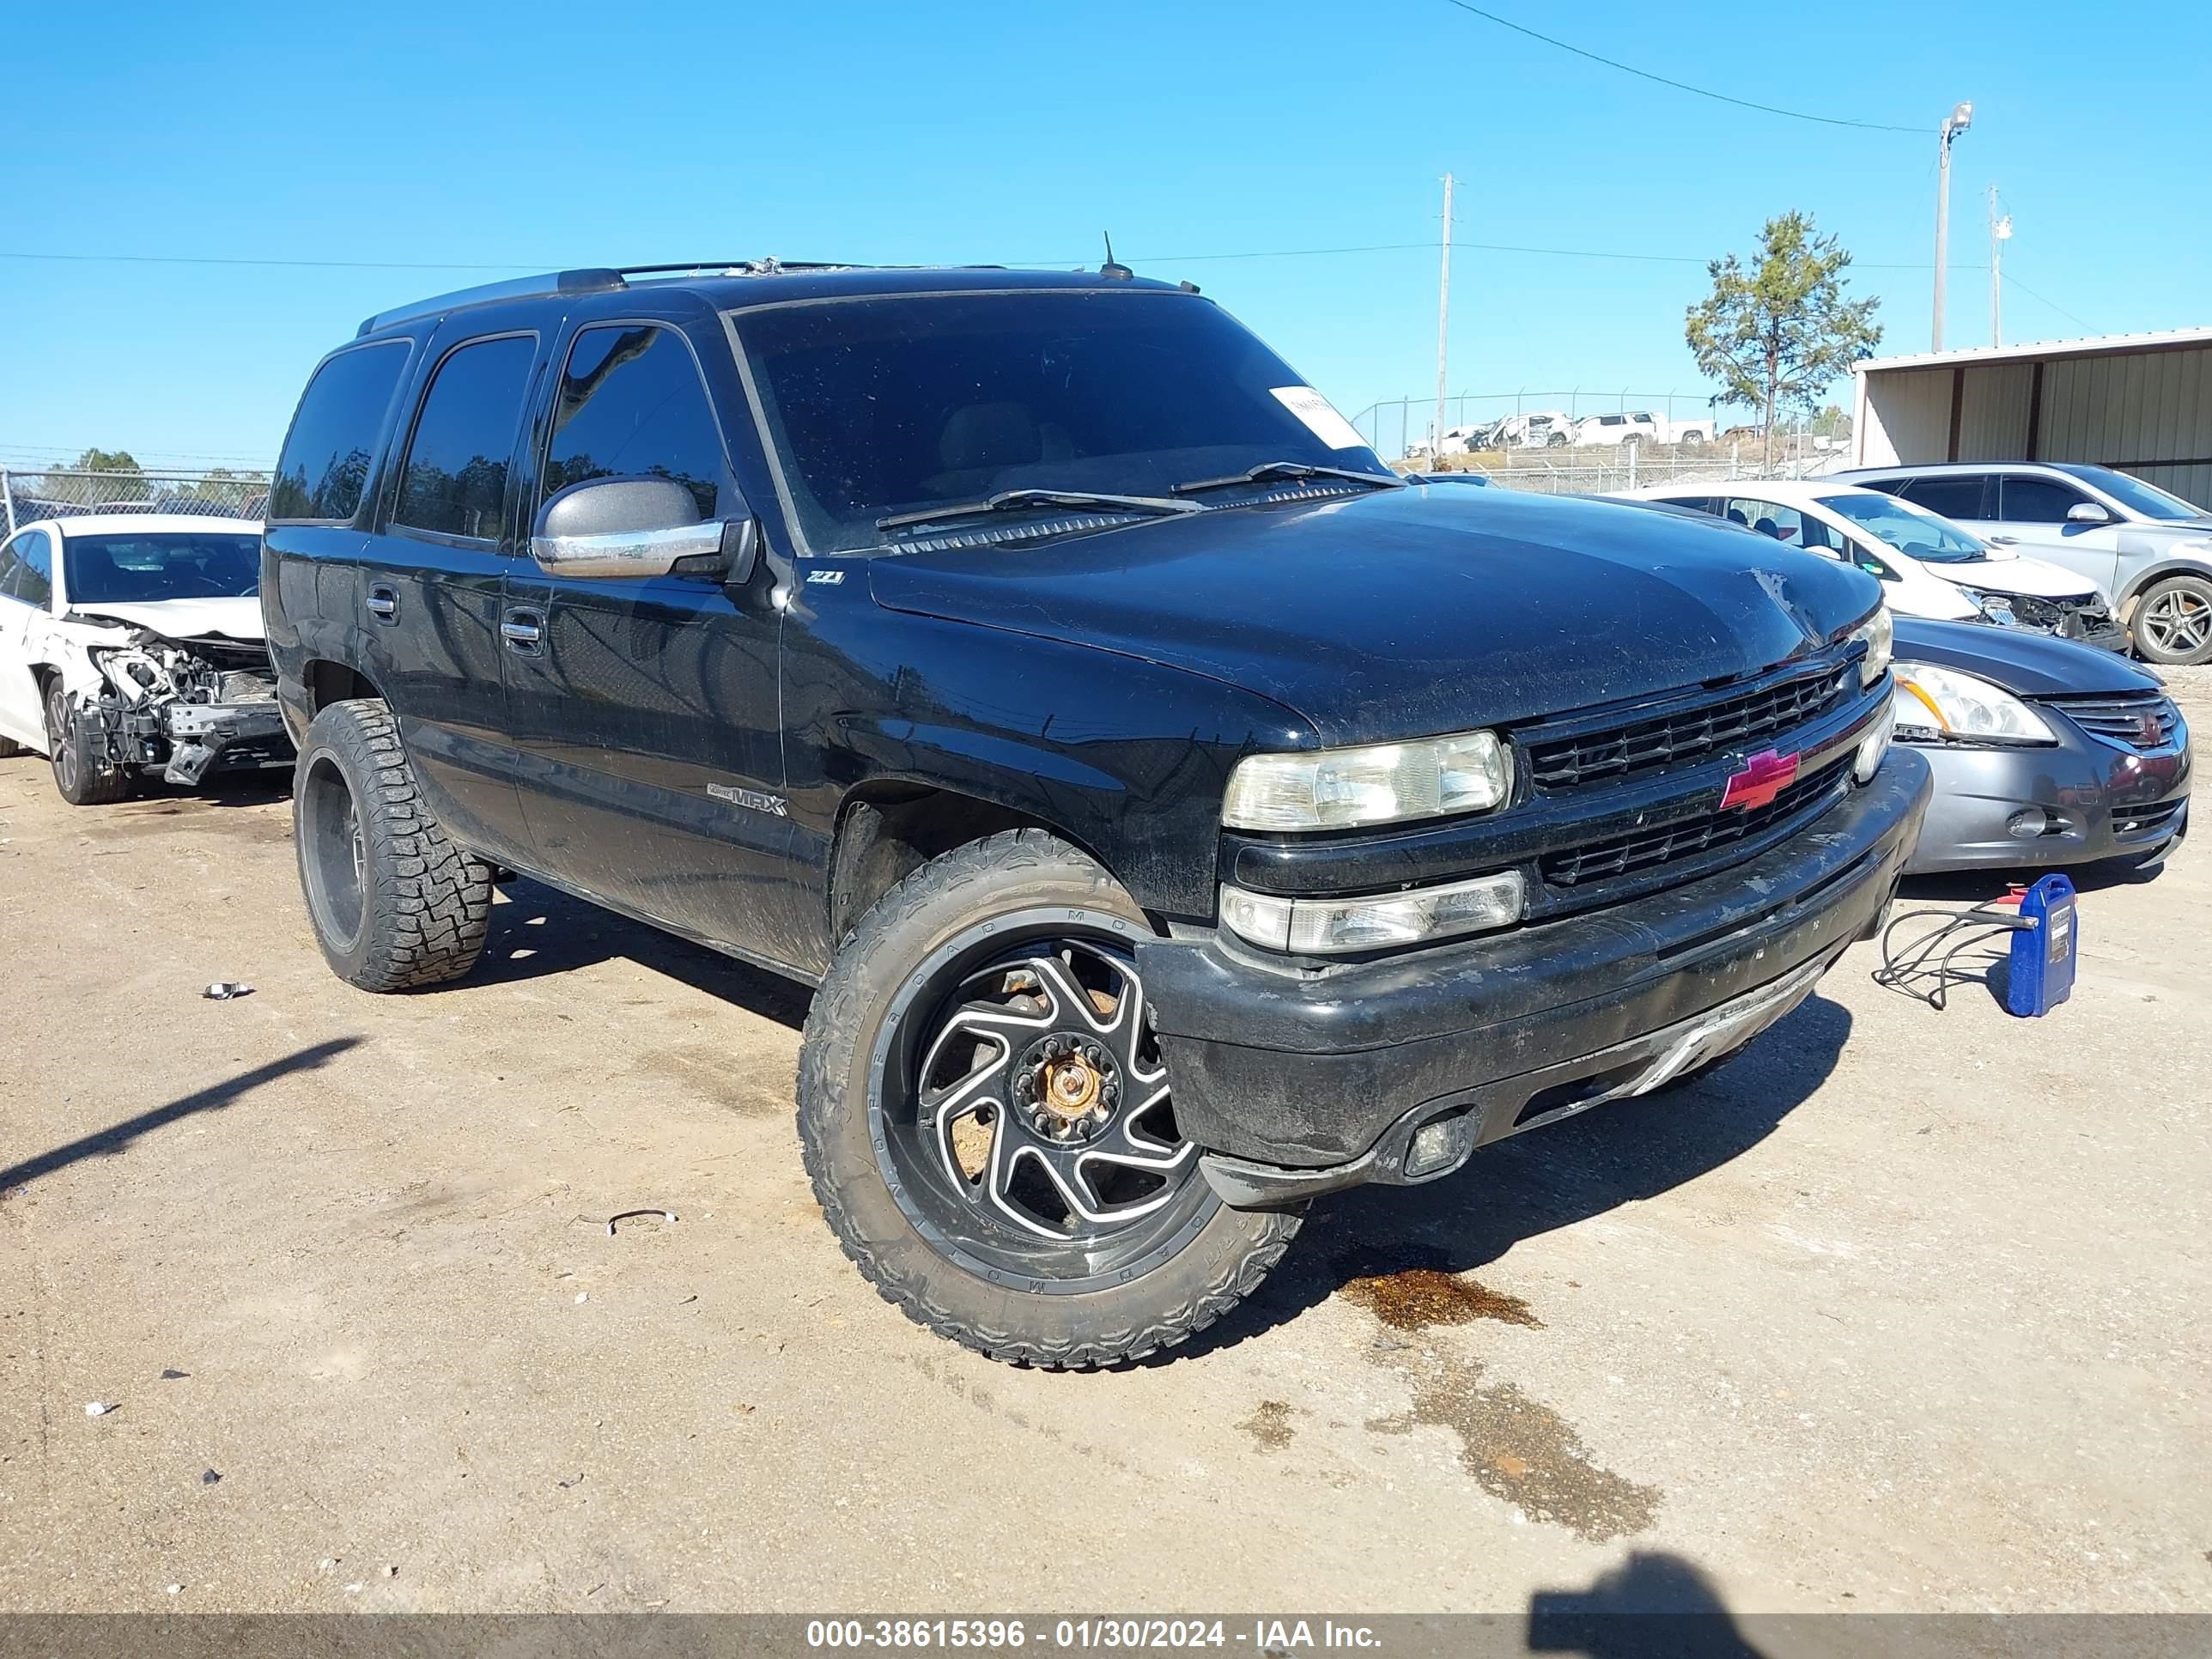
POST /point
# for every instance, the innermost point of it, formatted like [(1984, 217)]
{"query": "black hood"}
[(1410, 611), (2028, 665)]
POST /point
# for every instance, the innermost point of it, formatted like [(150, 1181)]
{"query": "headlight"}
[(1337, 927), (1943, 702), (1877, 631), (1381, 783), (1995, 607)]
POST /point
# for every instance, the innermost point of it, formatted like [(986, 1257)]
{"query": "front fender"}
[(1127, 758), (2158, 571)]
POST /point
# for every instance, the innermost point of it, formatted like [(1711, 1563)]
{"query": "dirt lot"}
[(1900, 1310)]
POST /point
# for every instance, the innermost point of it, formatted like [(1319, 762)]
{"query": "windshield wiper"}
[(1268, 470), (1009, 501)]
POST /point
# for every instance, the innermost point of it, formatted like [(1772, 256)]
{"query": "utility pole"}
[(2000, 234), (1954, 123), (1443, 325)]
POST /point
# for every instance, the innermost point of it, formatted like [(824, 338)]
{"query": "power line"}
[(289, 264), (1430, 246), (2077, 321), (1681, 86)]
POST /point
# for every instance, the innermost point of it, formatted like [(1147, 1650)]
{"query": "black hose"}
[(1904, 971)]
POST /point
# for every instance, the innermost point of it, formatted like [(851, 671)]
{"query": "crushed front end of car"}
[(180, 709)]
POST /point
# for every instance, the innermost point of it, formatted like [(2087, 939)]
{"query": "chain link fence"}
[(30, 493), (1528, 440), (1725, 463)]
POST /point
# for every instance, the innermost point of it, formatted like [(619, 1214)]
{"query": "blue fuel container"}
[(2042, 967)]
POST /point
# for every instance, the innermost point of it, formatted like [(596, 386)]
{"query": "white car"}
[(1616, 429), (132, 644), (1927, 565), (1542, 429)]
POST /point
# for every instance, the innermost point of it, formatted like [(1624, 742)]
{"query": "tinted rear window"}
[(333, 438)]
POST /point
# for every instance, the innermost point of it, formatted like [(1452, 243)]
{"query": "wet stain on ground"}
[(1269, 1425), (709, 1073), (1415, 1298), (1525, 1453)]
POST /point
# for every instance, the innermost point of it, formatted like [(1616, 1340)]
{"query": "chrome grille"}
[(2140, 719)]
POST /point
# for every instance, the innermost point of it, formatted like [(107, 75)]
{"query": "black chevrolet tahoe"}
[(1179, 814)]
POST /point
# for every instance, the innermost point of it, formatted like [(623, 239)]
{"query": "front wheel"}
[(78, 777), (2173, 623), (989, 1125)]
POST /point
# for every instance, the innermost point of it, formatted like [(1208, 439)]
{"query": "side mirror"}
[(2087, 512), (638, 527)]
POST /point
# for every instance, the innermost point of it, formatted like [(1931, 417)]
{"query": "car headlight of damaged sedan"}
[(1879, 632), (1934, 703), (1376, 783)]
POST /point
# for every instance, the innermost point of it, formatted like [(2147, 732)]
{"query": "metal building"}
[(2142, 403)]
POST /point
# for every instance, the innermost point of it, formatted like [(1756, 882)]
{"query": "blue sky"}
[(527, 137)]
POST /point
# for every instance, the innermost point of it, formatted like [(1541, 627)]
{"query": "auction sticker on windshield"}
[(1321, 417)]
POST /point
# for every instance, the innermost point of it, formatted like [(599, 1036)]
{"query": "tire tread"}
[(430, 909)]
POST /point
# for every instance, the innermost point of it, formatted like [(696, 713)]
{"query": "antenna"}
[(1112, 270)]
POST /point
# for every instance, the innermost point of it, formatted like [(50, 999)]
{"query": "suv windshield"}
[(1916, 533), (144, 569), (881, 408), (2135, 495)]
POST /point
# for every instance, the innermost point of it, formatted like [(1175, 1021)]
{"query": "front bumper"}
[(183, 742), (2099, 800), (1298, 1080)]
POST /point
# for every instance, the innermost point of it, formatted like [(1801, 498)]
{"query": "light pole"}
[(1955, 124), (2000, 234), (1444, 325)]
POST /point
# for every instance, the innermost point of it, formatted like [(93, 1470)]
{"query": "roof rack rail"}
[(596, 280), (763, 267), (591, 280)]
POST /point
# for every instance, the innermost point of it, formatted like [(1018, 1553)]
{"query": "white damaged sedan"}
[(132, 644)]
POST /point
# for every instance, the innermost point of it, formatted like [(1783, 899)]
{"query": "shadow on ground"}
[(537, 931), (1653, 1606), (118, 1136), (1548, 1178)]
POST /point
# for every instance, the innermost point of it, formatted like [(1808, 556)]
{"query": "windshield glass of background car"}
[(155, 565), (1916, 534), (877, 407), (2137, 496)]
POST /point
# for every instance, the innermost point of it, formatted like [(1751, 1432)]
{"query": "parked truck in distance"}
[(1179, 815)]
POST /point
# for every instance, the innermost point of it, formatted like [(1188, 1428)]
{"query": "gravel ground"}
[(1901, 1310)]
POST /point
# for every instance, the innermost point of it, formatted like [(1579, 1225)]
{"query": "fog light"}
[(2027, 823), (1441, 1143)]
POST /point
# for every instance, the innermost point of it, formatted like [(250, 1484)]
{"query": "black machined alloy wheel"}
[(990, 1126), (1021, 1113)]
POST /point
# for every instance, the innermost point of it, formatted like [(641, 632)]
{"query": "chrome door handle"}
[(522, 629), (383, 601), (2002, 541)]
